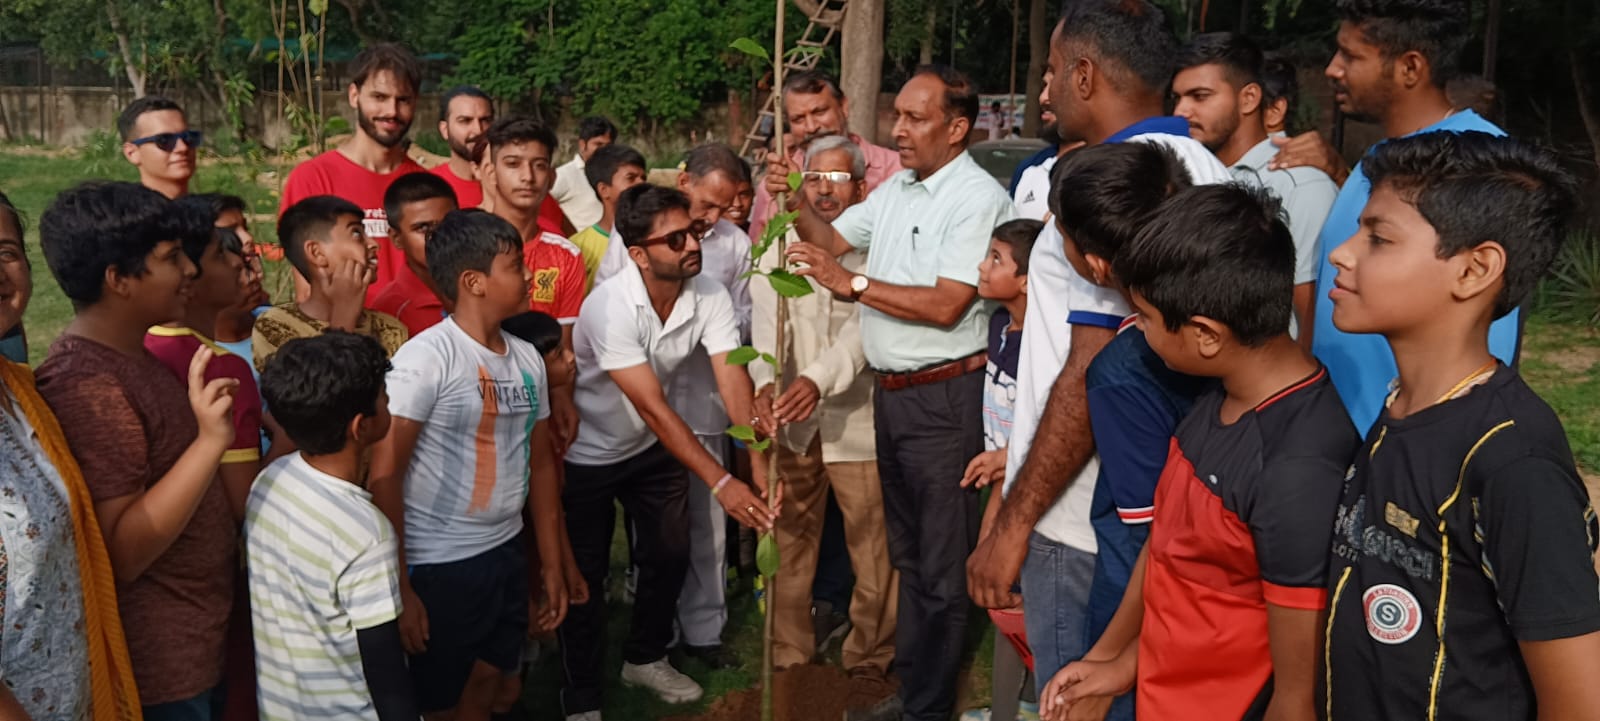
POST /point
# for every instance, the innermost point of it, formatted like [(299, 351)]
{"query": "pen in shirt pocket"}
[(914, 231)]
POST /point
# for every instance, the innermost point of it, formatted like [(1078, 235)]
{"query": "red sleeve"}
[(569, 288), (246, 447)]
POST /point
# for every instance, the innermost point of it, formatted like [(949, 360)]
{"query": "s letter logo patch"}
[(1393, 615)]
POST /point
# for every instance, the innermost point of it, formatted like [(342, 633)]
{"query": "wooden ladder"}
[(821, 28)]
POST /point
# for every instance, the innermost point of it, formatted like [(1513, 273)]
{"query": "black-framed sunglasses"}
[(168, 141), (679, 238)]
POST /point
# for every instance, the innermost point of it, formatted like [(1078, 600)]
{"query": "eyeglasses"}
[(833, 176), (679, 238), (168, 141)]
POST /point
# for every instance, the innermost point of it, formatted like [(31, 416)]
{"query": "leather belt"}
[(932, 374)]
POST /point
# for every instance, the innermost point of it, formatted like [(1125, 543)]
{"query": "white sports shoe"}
[(661, 678), (585, 716)]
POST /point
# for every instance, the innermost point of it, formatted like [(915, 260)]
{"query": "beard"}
[(369, 126), (687, 267), (1367, 107), (465, 148)]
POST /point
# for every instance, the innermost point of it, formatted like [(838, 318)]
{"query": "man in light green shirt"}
[(925, 230)]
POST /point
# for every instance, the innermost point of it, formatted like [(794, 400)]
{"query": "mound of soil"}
[(801, 693)]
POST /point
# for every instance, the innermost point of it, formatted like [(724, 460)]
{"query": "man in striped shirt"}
[(324, 579)]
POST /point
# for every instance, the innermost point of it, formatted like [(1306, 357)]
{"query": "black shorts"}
[(477, 611)]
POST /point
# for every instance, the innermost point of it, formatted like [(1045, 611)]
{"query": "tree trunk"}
[(1038, 52), (131, 65), (930, 24), (861, 55), (1585, 98)]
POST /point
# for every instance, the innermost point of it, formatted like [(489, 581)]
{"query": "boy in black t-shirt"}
[(1227, 597), (1462, 577)]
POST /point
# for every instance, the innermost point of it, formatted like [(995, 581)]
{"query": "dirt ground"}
[(802, 693)]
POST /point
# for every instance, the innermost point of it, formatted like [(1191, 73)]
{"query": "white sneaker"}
[(585, 716), (976, 714), (664, 680)]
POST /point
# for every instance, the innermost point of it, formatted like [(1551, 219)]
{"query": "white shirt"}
[(322, 566), (619, 329), (574, 194), (724, 258), (1059, 298), (1033, 191), (465, 488), (915, 232)]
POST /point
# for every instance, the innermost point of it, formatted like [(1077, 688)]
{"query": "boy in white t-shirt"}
[(468, 451), (324, 585)]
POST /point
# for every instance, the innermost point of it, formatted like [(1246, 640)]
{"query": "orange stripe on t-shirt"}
[(484, 470)]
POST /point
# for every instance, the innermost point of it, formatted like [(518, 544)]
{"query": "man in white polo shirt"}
[(633, 336), (924, 332)]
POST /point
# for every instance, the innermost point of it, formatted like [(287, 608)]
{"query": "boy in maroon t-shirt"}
[(148, 446)]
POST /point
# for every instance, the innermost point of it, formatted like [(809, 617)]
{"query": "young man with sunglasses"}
[(157, 140), (635, 334), (710, 180)]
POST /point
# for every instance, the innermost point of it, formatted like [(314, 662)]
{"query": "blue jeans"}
[(1055, 605), (205, 707)]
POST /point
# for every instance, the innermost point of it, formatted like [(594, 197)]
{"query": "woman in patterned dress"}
[(62, 654)]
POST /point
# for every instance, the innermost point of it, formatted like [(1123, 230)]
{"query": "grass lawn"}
[(1561, 361)]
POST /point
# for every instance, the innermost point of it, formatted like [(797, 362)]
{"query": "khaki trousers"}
[(799, 531)]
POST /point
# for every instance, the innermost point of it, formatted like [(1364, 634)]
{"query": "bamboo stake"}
[(774, 482)]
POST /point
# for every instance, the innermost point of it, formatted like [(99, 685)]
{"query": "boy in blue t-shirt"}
[(1103, 196), (1003, 278)]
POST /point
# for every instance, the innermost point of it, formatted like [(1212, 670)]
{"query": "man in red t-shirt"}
[(415, 204), (383, 92), (465, 114)]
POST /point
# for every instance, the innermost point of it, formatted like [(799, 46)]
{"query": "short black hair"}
[(711, 158), (811, 82), (520, 129), (391, 57), (6, 206), (99, 225), (595, 126), (540, 329), (1473, 188), (221, 203), (1219, 251), (1435, 28), (1019, 234), (197, 228), (315, 386), (1128, 38), (1104, 194), (1239, 57), (412, 188), (460, 91), (311, 219), (129, 116), (638, 207), (1279, 80), (605, 163), (960, 95), (467, 240)]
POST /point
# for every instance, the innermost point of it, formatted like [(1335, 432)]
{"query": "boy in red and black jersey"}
[(1463, 580), (1229, 595)]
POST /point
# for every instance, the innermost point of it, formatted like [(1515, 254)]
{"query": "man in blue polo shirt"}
[(1393, 60)]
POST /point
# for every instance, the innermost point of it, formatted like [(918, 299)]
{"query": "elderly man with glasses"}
[(826, 441)]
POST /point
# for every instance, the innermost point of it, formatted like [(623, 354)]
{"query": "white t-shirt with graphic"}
[(468, 479)]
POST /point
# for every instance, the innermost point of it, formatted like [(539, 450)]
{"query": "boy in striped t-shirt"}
[(324, 579)]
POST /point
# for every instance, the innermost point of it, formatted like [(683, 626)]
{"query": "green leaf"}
[(742, 433), (742, 355), (770, 359), (752, 271), (794, 187), (320, 7), (788, 285), (760, 445), (767, 555), (780, 224), (751, 48)]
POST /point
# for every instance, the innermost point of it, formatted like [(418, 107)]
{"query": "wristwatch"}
[(858, 285)]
